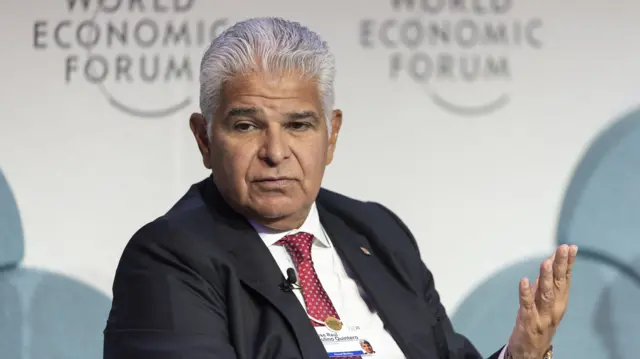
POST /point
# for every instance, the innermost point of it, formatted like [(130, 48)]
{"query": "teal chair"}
[(43, 315), (601, 214)]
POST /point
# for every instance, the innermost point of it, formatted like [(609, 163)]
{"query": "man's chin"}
[(274, 212), (279, 209)]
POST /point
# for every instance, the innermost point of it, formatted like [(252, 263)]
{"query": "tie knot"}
[(298, 245)]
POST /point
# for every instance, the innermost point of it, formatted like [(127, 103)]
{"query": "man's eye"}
[(299, 126), (244, 126)]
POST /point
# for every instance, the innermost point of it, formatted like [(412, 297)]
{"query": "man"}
[(366, 347), (259, 262)]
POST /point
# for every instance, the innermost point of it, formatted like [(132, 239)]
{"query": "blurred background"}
[(495, 128)]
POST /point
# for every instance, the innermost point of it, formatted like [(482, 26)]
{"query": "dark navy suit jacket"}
[(199, 283)]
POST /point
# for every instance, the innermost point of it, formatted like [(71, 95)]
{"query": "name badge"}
[(344, 343)]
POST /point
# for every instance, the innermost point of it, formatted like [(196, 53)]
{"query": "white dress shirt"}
[(343, 290)]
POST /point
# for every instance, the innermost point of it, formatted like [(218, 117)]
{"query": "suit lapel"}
[(397, 306), (257, 269)]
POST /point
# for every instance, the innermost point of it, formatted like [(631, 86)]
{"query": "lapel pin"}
[(365, 251)]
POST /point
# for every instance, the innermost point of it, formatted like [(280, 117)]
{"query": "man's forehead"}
[(286, 85)]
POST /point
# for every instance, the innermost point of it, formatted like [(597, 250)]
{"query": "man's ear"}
[(199, 128), (336, 124)]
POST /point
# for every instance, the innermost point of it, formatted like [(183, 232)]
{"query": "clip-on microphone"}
[(289, 284)]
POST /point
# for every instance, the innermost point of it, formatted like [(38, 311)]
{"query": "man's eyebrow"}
[(301, 115), (242, 111)]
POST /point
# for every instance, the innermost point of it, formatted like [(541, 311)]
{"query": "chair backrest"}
[(11, 237), (601, 214), (601, 209), (42, 314)]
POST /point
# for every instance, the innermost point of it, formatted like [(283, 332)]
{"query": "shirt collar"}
[(311, 225)]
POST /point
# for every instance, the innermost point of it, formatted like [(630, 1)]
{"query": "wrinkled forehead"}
[(290, 88)]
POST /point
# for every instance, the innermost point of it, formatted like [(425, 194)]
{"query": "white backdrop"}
[(479, 190)]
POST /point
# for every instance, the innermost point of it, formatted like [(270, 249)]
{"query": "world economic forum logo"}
[(458, 51), (142, 55)]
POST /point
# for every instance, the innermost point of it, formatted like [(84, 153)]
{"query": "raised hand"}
[(542, 306)]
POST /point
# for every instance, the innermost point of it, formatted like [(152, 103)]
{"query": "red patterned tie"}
[(317, 301)]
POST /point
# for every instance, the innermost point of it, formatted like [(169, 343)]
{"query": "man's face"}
[(269, 146)]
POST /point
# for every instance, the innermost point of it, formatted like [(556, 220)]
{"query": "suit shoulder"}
[(187, 212), (151, 231), (188, 231), (328, 195), (371, 214), (364, 208), (176, 232), (337, 200), (169, 236), (151, 239)]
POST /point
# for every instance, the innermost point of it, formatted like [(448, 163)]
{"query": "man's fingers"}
[(560, 265), (573, 252), (527, 302), (534, 287), (545, 295)]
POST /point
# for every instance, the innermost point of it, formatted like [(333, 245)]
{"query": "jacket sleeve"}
[(456, 345), (162, 309)]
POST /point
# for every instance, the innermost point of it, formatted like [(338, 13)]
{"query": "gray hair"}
[(278, 45)]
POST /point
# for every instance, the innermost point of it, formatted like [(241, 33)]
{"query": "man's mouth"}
[(274, 182)]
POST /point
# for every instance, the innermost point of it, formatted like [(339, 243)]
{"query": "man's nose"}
[(275, 148)]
